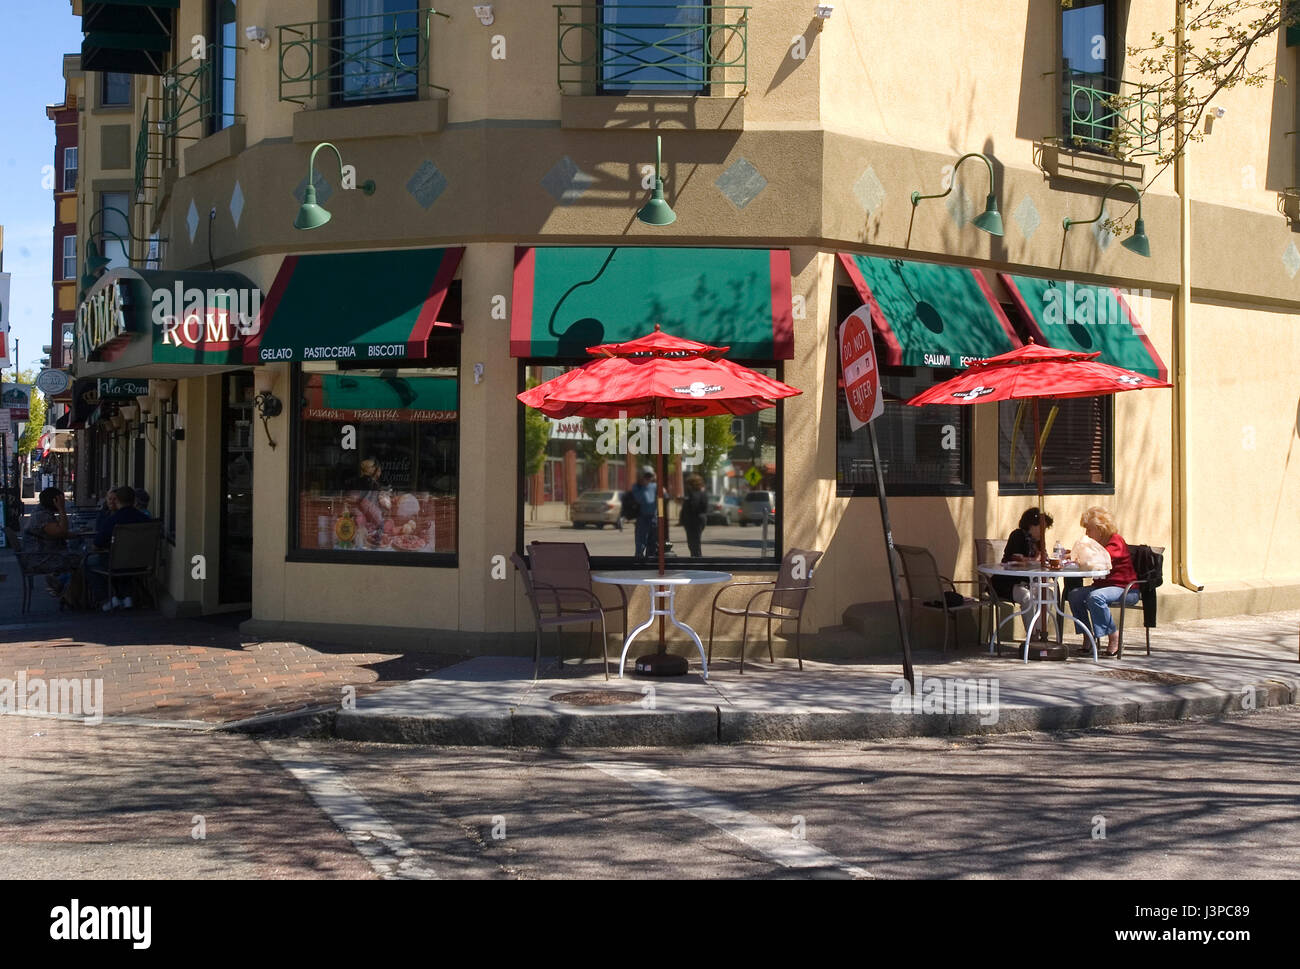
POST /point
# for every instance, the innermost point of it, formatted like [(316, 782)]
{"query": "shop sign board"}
[(861, 374), (53, 382), (121, 388), (101, 318), (18, 398)]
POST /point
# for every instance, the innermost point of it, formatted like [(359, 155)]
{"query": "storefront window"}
[(923, 450), (378, 463), (1078, 455), (576, 471)]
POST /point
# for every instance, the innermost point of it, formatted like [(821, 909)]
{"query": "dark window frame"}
[(64, 256), (440, 560), (1115, 16), (72, 169), (104, 102), (606, 563), (221, 115), (1104, 487), (706, 83), (337, 96)]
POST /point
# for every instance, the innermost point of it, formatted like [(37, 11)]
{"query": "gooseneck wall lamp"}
[(1138, 241), (95, 262), (311, 215), (990, 220), (657, 211)]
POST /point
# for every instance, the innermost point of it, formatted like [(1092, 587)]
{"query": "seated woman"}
[(45, 540), (1096, 599), (1023, 546)]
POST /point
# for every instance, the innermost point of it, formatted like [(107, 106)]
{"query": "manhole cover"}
[(598, 698), (1149, 676)]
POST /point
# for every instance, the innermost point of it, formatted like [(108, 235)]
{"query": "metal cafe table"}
[(663, 592), (1042, 594)]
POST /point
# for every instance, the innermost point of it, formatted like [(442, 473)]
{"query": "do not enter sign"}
[(858, 363)]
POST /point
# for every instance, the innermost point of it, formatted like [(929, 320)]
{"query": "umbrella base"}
[(1048, 652), (662, 664)]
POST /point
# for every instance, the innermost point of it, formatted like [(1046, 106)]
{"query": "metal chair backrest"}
[(135, 547), (922, 573), (989, 551), (522, 568), (794, 581), (563, 565)]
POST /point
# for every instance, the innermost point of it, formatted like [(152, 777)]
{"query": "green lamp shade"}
[(657, 211), (991, 220), (310, 215), (94, 261), (1138, 241)]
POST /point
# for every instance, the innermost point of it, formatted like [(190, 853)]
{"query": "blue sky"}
[(34, 36)]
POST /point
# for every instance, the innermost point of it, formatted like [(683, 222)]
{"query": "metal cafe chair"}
[(936, 592), (1148, 563), (556, 606), (133, 553), (788, 595), (567, 565)]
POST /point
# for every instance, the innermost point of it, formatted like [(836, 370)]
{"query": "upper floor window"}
[(115, 228), (70, 257), (225, 40), (69, 169), (1077, 443), (653, 46), (115, 89), (377, 55), (1090, 63)]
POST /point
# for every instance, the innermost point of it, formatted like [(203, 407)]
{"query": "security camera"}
[(258, 36), (824, 11), (484, 13)]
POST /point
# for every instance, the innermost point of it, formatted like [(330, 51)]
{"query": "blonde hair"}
[(1099, 518)]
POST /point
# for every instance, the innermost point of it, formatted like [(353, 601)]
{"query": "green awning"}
[(1077, 316), (127, 36), (569, 298), (928, 315), (394, 396), (354, 306)]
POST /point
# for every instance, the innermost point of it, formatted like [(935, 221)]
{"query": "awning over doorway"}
[(930, 315), (127, 36), (569, 298), (354, 306), (1078, 316)]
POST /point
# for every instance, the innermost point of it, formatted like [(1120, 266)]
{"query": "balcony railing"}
[(357, 59), (148, 155), (631, 48), (1115, 117)]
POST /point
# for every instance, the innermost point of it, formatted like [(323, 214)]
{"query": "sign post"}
[(866, 403)]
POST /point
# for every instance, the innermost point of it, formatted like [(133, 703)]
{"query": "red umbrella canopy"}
[(1035, 371), (659, 375)]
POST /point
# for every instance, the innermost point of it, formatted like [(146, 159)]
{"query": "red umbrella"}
[(1031, 372), (658, 376)]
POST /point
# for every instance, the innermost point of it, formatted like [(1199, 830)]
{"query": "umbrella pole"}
[(661, 501), (1042, 512), (889, 555)]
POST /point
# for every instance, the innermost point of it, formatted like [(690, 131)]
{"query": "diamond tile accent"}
[(1291, 259), (426, 184), (868, 190), (960, 208), (566, 182), (1026, 217), (1100, 233), (236, 204), (192, 219), (741, 182), (323, 190)]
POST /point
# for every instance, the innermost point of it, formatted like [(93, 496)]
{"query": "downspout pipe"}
[(1181, 325)]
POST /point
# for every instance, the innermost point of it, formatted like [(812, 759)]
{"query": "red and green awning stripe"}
[(354, 306), (569, 298)]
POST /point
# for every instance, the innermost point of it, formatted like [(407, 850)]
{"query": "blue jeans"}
[(1095, 601), (647, 538)]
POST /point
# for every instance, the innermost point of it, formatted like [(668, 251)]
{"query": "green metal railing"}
[(652, 47), (357, 59), (1117, 117), (144, 181)]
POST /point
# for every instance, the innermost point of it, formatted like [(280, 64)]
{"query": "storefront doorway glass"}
[(236, 583)]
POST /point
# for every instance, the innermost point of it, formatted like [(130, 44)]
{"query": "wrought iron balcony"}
[(643, 48), (187, 110), (148, 151), (1111, 116), (352, 60)]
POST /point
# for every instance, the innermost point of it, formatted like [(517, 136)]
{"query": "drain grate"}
[(1150, 676), (598, 698)]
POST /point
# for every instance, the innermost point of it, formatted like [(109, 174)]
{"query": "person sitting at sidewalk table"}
[(46, 536), (1023, 546), (126, 514), (1096, 599)]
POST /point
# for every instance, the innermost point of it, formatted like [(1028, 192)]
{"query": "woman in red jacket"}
[(1096, 599)]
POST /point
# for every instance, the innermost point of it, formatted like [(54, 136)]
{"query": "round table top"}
[(670, 577), (1036, 571)]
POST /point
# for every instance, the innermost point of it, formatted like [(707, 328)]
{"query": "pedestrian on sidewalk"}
[(45, 541)]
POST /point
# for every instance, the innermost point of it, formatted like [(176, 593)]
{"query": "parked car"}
[(723, 510), (757, 506), (599, 508)]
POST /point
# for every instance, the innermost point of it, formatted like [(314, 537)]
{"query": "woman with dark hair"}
[(45, 537), (1023, 546), (694, 513)]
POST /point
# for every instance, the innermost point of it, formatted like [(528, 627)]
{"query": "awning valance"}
[(569, 298), (1078, 316), (380, 306), (127, 36), (930, 315), (391, 398)]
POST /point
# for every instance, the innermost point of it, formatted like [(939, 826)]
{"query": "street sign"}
[(861, 375), (754, 477), (52, 382), (16, 397)]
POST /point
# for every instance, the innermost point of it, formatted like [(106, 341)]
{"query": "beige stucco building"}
[(506, 156)]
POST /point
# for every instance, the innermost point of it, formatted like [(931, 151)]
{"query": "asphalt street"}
[(1186, 800)]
